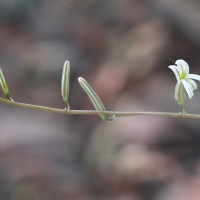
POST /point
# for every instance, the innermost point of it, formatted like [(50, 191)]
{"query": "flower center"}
[(183, 74)]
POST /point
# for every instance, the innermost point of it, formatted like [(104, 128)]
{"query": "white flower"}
[(184, 80)]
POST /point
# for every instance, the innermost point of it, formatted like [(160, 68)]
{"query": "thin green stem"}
[(94, 112), (67, 107), (182, 109)]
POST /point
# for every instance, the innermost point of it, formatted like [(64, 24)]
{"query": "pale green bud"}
[(65, 81), (4, 85), (93, 96)]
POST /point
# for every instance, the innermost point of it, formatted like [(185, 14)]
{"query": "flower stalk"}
[(184, 83)]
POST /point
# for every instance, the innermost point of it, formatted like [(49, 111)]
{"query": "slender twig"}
[(94, 112)]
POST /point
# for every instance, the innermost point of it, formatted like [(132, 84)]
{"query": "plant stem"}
[(94, 112), (182, 109)]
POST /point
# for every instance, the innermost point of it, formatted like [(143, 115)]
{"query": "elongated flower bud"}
[(93, 96), (65, 81), (4, 85)]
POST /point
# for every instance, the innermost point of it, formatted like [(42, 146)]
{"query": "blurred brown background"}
[(123, 49)]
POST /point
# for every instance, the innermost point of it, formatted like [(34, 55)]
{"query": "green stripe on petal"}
[(192, 83), (179, 93), (183, 65), (187, 88), (176, 72)]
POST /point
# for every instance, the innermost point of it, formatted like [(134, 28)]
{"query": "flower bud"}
[(4, 85), (65, 81), (93, 96)]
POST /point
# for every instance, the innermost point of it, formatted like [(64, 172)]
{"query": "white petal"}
[(176, 95), (180, 69), (176, 72), (193, 84), (187, 87), (183, 65), (179, 93), (194, 76), (190, 85)]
